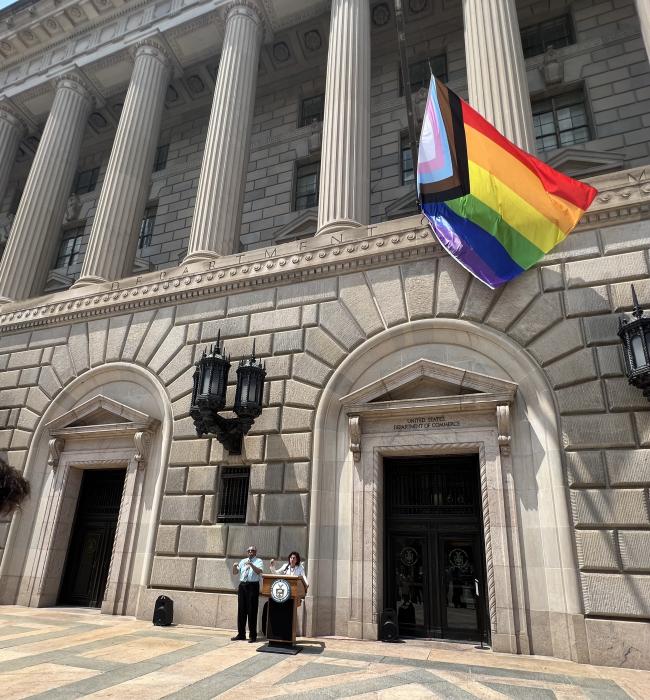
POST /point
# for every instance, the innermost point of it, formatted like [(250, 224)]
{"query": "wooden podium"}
[(285, 594)]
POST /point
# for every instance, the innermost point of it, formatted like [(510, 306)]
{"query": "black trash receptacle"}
[(163, 611)]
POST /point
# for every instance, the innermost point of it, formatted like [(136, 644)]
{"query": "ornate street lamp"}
[(635, 336), (209, 396)]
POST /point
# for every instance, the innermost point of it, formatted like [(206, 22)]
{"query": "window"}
[(406, 157), (146, 227), (556, 32), (307, 182), (234, 495), (312, 110), (86, 181), (420, 72), (560, 120), (160, 163), (70, 247)]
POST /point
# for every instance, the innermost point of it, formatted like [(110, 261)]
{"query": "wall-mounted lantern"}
[(635, 336), (209, 396)]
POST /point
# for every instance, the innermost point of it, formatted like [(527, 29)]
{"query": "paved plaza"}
[(60, 653)]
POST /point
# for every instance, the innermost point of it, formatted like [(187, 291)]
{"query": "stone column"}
[(217, 213), (643, 10), (114, 235), (11, 131), (344, 196), (496, 71), (36, 229)]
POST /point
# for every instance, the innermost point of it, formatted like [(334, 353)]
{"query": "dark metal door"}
[(91, 542)]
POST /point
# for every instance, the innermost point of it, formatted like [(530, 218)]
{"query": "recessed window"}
[(312, 110), (420, 72), (160, 163), (560, 120), (70, 247), (86, 181), (537, 38), (146, 227), (234, 495), (406, 158), (307, 182)]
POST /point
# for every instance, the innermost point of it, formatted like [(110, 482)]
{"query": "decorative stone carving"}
[(73, 207), (142, 442), (55, 447), (552, 68), (354, 423), (503, 426), (313, 40)]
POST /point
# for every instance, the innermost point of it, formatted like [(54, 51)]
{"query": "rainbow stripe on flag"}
[(495, 208)]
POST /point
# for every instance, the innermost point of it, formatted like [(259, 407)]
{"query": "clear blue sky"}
[(5, 3)]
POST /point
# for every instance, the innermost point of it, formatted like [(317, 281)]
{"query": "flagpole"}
[(406, 82)]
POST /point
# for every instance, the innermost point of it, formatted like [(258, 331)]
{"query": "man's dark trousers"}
[(248, 596)]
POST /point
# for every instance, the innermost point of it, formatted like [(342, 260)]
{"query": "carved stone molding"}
[(142, 442), (55, 447), (354, 423), (503, 426)]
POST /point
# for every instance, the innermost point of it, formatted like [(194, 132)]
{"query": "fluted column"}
[(496, 71), (643, 10), (217, 214), (11, 131), (114, 235), (344, 196), (37, 226)]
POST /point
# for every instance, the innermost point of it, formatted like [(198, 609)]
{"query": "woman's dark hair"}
[(14, 488), (297, 557)]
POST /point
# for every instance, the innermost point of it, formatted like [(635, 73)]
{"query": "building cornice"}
[(623, 196)]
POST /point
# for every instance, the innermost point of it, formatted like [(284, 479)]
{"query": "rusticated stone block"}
[(274, 393), (27, 419), (97, 340), (452, 280), (47, 337), (156, 333), (209, 509), (181, 362), (26, 358), (266, 477), (631, 234), (167, 539), (581, 398), (293, 539), (515, 297), (248, 302), (609, 361), (118, 327), (604, 430), (202, 479), (204, 310), (310, 292), (562, 339), (288, 341), (215, 575), (642, 423), (206, 540), (173, 343), (617, 595), (573, 369), (578, 244), (62, 364), (324, 347), (622, 396), (231, 327), (386, 285), (308, 369), (137, 330), (187, 452), (611, 268), (13, 397), (296, 419), (299, 394), (356, 296), (622, 297), (478, 301), (635, 549), (284, 508), (278, 367), (173, 572), (544, 312), (9, 379), (339, 323), (252, 451), (181, 509), (628, 467), (597, 550), (29, 376), (310, 315), (586, 301), (36, 399), (265, 538), (419, 286), (585, 468), (290, 447), (552, 278), (297, 476), (601, 330), (609, 507), (270, 321)]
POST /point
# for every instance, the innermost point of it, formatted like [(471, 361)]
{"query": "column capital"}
[(9, 114), (152, 46), (77, 83), (251, 9)]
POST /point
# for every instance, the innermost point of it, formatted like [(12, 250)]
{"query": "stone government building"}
[(172, 169)]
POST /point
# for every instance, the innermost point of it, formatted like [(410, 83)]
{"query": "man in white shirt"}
[(250, 572)]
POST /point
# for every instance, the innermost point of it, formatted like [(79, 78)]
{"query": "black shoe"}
[(252, 640), (237, 638)]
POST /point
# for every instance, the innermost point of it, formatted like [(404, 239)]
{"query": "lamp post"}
[(209, 396), (635, 336)]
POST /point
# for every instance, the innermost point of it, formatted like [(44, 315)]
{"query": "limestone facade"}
[(356, 325)]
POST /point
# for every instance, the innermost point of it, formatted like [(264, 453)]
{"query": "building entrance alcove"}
[(434, 569)]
